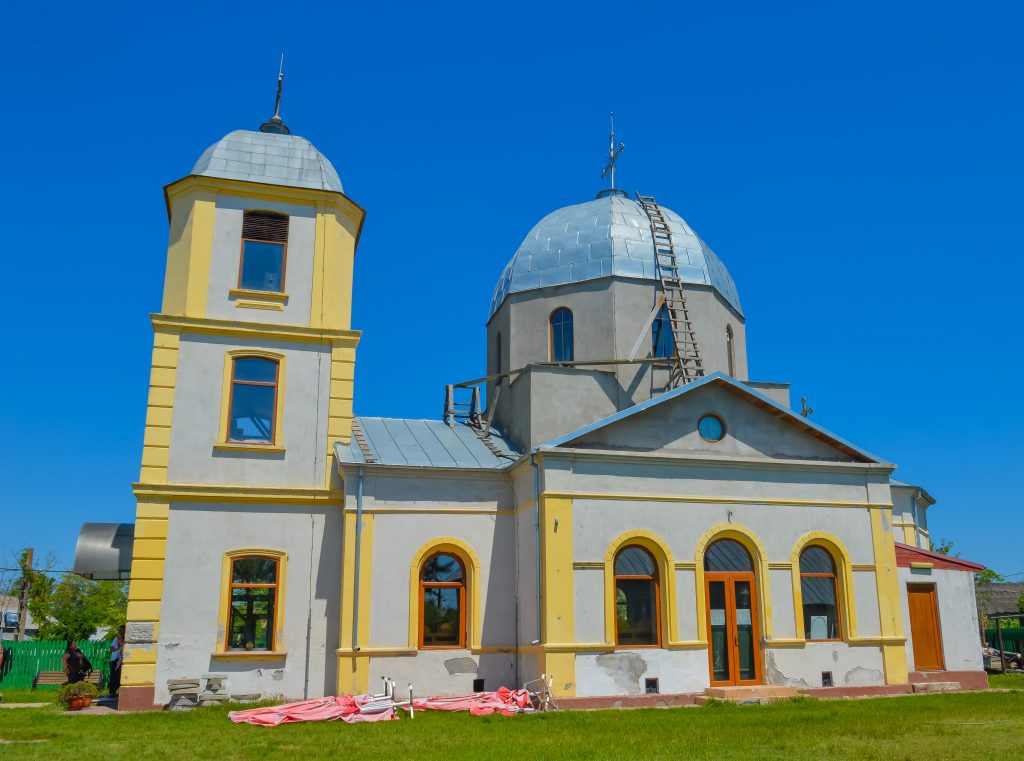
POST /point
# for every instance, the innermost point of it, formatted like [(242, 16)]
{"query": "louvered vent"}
[(262, 225)]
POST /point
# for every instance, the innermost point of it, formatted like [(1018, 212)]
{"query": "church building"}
[(615, 502)]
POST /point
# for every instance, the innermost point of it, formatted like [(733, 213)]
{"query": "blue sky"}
[(857, 168)]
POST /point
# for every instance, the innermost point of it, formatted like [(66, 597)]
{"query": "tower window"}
[(253, 400), (730, 350), (561, 336), (253, 597), (661, 334), (264, 250)]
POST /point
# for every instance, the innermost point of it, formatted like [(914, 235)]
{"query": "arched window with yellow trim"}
[(819, 590), (637, 601), (253, 601), (252, 412), (442, 602)]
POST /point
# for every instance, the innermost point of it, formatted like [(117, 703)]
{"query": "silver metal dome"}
[(604, 237), (273, 159)]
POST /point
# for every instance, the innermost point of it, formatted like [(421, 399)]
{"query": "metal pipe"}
[(359, 543), (536, 538)]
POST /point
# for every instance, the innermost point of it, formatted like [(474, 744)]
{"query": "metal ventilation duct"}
[(104, 551)]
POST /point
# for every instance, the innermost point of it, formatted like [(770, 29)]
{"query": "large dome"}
[(604, 237), (269, 158)]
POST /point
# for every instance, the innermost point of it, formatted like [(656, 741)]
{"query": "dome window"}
[(264, 248), (561, 335), (664, 346), (711, 428)]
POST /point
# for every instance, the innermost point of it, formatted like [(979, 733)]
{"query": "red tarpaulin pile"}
[(358, 708)]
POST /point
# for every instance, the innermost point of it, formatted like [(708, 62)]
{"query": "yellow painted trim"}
[(557, 588), (253, 330), (758, 555), (238, 446), (662, 555), (890, 615), (780, 566), (580, 565), (277, 445), (376, 652), (862, 566), (261, 192), (844, 581), (255, 655), (280, 601), (922, 566), (245, 293), (266, 495), (267, 305), (714, 500), (474, 580), (145, 590), (160, 407), (353, 670)]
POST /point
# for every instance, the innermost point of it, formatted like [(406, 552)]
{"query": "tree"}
[(75, 608)]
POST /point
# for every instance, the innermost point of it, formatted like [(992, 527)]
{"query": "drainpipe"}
[(359, 543), (536, 536)]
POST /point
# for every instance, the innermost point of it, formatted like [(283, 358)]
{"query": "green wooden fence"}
[(1013, 638), (23, 660)]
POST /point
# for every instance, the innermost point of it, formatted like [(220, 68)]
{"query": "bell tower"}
[(253, 360)]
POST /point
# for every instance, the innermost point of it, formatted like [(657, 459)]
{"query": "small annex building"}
[(615, 502)]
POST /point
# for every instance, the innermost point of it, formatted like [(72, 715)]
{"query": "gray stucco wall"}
[(190, 626), (609, 316), (958, 616), (197, 416), (226, 258)]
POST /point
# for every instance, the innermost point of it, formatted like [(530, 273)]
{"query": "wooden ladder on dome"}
[(687, 365)]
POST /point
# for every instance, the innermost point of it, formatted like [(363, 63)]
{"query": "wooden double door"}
[(734, 646)]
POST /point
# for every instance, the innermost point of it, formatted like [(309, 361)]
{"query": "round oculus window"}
[(711, 428)]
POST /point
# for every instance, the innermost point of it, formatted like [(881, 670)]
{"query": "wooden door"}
[(924, 627), (733, 644)]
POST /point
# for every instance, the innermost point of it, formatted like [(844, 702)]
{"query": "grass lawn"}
[(961, 726), (1009, 681)]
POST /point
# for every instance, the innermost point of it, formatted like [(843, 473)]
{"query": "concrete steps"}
[(924, 687), (746, 695)]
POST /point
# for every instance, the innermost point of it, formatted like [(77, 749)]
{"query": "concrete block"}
[(925, 687)]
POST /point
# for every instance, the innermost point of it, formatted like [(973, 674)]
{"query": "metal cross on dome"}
[(613, 153)]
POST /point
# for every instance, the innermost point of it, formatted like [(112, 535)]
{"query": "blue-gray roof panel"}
[(268, 158), (616, 232), (426, 444)]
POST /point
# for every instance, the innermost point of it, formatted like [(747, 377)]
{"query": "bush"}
[(77, 689)]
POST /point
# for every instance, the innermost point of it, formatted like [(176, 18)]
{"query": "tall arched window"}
[(637, 608), (443, 602), (730, 350), (661, 334), (820, 596), (561, 336), (253, 601), (253, 404)]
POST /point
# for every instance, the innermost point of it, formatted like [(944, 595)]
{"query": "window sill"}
[(249, 655), (238, 446), (246, 299)]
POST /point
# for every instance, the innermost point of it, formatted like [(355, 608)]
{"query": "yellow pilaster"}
[(558, 627), (353, 667), (189, 253), (156, 442), (333, 258), (890, 616), (145, 591)]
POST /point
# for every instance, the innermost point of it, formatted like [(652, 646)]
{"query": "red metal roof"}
[(905, 555)]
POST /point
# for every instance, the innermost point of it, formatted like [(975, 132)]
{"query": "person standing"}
[(76, 665), (116, 659)]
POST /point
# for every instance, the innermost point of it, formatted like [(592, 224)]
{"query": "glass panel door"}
[(720, 639), (746, 653)]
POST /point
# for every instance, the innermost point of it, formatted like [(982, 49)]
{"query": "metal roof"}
[(268, 158), (604, 237), (720, 378), (425, 444)]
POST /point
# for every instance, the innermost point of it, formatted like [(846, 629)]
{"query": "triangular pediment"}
[(755, 426)]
